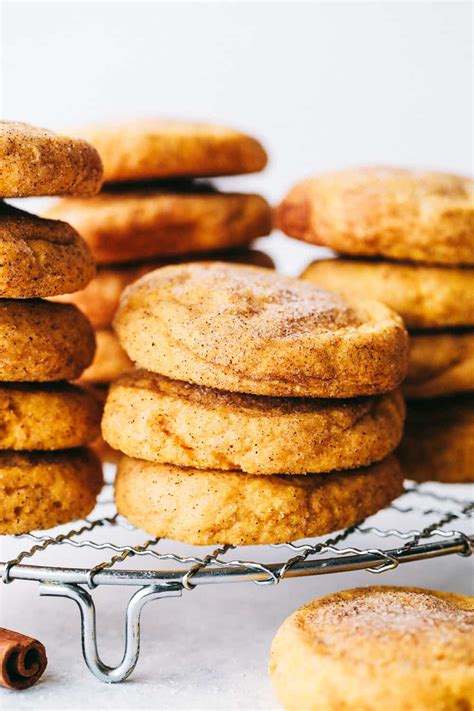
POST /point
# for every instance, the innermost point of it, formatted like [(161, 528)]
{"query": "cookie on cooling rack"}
[(101, 297), (47, 417), (204, 507), (157, 148), (40, 490), (149, 416), (377, 648), (424, 296), (390, 212), (440, 364), (438, 442), (39, 257), (34, 162), (247, 329), (110, 360), (142, 222), (41, 341)]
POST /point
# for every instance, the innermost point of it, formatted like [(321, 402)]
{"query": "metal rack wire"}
[(166, 569)]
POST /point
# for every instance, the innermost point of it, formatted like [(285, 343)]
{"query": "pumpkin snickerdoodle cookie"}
[(158, 148), (40, 490), (47, 417), (438, 442), (41, 341), (127, 224), (440, 364), (390, 212), (424, 296), (247, 329), (204, 507), (151, 417), (34, 162), (110, 359), (40, 258), (100, 299), (373, 648)]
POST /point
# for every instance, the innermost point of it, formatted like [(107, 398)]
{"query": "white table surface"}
[(206, 650)]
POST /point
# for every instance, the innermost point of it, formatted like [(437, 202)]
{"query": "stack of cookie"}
[(47, 474), (152, 210), (418, 230), (264, 409)]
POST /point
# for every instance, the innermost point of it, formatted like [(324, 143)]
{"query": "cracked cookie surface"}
[(247, 329)]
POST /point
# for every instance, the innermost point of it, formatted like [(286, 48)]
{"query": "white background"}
[(324, 85)]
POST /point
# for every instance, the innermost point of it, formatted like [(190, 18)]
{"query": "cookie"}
[(440, 364), (390, 212), (205, 507), (34, 161), (150, 417), (157, 148), (424, 296), (41, 490), (438, 443), (130, 224), (47, 416), (41, 341), (250, 330), (377, 648), (109, 362), (39, 257), (101, 297)]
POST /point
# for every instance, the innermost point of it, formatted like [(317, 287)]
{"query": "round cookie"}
[(101, 297), (109, 362), (47, 417), (250, 330), (373, 648), (34, 162), (41, 341), (440, 364), (205, 507), (158, 148), (39, 257), (41, 490), (390, 212), (424, 296), (438, 442), (150, 417), (129, 224)]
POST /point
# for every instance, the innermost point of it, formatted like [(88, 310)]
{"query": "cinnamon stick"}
[(22, 660)]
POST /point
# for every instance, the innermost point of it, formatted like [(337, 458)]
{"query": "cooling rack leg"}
[(86, 606)]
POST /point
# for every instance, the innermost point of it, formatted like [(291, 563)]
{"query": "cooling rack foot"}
[(84, 601)]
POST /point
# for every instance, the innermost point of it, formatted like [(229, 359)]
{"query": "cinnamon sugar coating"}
[(373, 648), (41, 341), (246, 329), (46, 417), (206, 507), (391, 212), (424, 296), (150, 417), (100, 299), (158, 148), (34, 162), (40, 258), (39, 490), (138, 223)]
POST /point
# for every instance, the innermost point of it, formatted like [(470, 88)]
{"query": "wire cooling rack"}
[(107, 550)]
